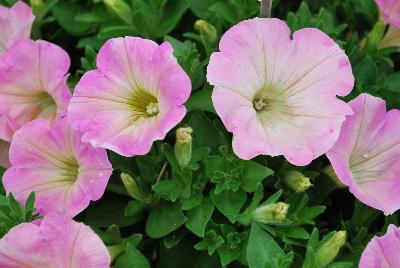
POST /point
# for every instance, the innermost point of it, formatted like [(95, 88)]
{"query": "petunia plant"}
[(199, 133)]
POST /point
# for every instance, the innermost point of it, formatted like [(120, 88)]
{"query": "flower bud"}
[(183, 145), (328, 251), (37, 7), (120, 8), (296, 181), (330, 172), (131, 186), (271, 213), (206, 30)]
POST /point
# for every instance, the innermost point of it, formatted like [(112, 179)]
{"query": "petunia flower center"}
[(259, 104), (152, 109), (144, 103), (46, 107)]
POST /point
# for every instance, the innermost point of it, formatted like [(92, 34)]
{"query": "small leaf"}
[(132, 258), (199, 216), (229, 203), (261, 247), (164, 219)]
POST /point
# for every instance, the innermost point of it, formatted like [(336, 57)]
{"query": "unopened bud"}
[(207, 30), (120, 8), (330, 172), (131, 186), (328, 251), (37, 6), (183, 145), (271, 213), (296, 181)]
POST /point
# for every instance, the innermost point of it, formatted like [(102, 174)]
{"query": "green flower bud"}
[(37, 7), (206, 30), (330, 172), (121, 9), (328, 251), (271, 213), (296, 181), (375, 37), (183, 145), (115, 250), (131, 186)]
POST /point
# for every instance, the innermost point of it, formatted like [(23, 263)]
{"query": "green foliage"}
[(13, 213), (200, 214)]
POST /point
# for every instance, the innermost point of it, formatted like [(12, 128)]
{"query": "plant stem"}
[(265, 9)]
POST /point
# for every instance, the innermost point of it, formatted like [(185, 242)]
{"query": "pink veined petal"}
[(366, 155), (383, 251), (15, 23), (64, 172), (55, 241), (23, 247), (73, 244), (33, 82), (390, 10), (134, 97), (295, 81)]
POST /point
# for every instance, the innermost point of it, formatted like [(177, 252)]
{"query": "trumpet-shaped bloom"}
[(390, 10), (32, 84), (277, 95), (52, 161), (134, 97), (55, 241), (383, 252), (366, 157), (15, 24)]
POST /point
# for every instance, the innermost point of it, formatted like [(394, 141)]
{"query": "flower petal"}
[(56, 241), (382, 251), (110, 105), (366, 155), (33, 82), (295, 82), (15, 23), (64, 172), (390, 10)]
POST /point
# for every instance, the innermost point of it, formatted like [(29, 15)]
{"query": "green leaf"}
[(199, 216), (201, 100), (169, 189), (229, 203), (366, 72), (132, 258), (134, 207), (393, 82), (15, 206), (253, 174), (65, 12), (164, 219), (261, 247), (199, 8), (298, 232)]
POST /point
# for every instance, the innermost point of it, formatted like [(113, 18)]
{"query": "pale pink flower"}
[(134, 97), (55, 241), (383, 251), (277, 95), (15, 24), (390, 10), (366, 157), (52, 161), (32, 85)]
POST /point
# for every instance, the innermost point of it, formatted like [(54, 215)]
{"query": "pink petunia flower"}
[(366, 156), (382, 252), (55, 241), (134, 97), (52, 161), (32, 85), (15, 24), (390, 10), (277, 95)]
